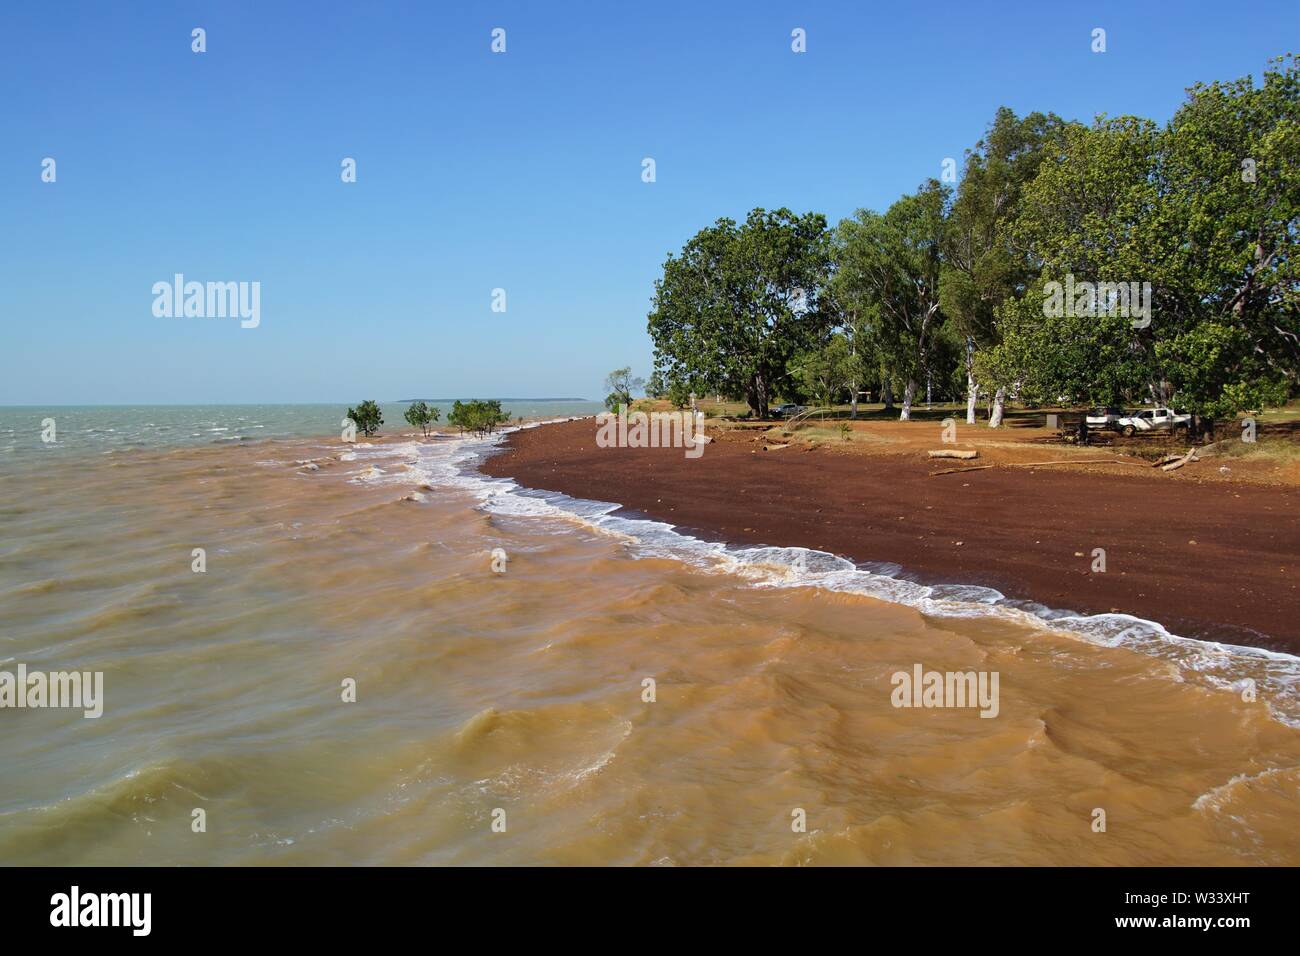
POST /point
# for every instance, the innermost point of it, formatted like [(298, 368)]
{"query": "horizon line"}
[(385, 401)]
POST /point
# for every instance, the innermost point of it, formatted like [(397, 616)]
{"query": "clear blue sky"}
[(477, 171)]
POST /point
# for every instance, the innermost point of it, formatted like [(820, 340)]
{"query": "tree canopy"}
[(367, 417), (739, 302), (1103, 262)]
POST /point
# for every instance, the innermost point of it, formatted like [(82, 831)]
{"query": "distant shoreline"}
[(492, 398), (340, 402)]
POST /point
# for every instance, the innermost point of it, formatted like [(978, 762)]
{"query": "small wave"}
[(1219, 797), (39, 587), (452, 463)]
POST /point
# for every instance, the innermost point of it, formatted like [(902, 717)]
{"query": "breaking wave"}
[(452, 463)]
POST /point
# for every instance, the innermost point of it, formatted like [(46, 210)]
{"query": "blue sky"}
[(478, 171)]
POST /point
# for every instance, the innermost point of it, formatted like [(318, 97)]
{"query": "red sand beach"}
[(1214, 560)]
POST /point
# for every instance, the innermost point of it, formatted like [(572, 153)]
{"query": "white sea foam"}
[(1218, 797), (451, 463)]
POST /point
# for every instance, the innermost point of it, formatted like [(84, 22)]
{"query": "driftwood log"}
[(1036, 464), (1190, 456), (953, 453), (1074, 461)]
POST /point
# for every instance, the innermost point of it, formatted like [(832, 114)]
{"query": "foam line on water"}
[(452, 463)]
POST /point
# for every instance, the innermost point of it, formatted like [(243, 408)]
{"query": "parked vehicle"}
[(788, 410), (1105, 417), (1152, 419)]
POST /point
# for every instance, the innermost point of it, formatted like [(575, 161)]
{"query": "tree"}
[(1075, 356), (367, 417), (739, 302), (419, 415), (1216, 371), (1084, 219), (824, 373), (1204, 216), (892, 262), (479, 417), (855, 315), (1226, 236), (621, 385), (982, 266), (679, 394)]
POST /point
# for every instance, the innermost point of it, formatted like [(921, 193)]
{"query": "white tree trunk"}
[(972, 387), (999, 399), (853, 402), (908, 394)]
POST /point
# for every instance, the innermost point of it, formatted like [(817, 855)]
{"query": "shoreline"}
[(1210, 562)]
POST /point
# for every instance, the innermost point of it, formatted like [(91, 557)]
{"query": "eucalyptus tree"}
[(893, 262), (1087, 215), (982, 265)]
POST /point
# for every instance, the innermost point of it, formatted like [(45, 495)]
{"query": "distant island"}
[(444, 401)]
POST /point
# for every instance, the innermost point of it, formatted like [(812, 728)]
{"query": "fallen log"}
[(1075, 461), (1036, 464), (953, 453), (1180, 462)]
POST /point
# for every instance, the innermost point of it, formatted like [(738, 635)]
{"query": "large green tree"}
[(824, 373), (1084, 217), (1227, 234), (891, 265), (1205, 214), (739, 302), (847, 299), (982, 264)]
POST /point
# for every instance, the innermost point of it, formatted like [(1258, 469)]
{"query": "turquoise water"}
[(121, 427)]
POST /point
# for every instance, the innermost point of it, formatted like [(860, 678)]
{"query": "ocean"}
[(384, 657)]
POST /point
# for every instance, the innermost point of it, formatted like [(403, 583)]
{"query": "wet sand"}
[(1210, 560)]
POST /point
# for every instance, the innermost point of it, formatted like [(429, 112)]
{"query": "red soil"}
[(1215, 560)]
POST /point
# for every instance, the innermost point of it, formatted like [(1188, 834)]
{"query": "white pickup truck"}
[(1152, 419), (1105, 417)]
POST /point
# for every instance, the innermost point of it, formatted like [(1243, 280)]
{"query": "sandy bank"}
[(1213, 560)]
